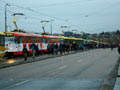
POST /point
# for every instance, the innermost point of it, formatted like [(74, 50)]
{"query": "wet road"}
[(84, 71)]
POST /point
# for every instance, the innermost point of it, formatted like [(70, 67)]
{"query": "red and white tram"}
[(14, 42)]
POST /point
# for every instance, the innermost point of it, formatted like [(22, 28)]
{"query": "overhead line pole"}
[(6, 16), (51, 26)]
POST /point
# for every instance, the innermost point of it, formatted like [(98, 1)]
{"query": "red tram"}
[(14, 42)]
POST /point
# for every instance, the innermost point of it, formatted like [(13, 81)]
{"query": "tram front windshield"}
[(9, 40)]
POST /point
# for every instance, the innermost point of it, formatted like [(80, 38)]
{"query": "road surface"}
[(81, 71)]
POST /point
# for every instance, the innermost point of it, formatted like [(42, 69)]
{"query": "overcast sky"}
[(91, 16)]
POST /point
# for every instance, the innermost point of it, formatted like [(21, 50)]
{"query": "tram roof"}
[(95, 41), (1, 33), (48, 36), (22, 34), (71, 38)]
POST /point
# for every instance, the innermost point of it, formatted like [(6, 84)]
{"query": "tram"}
[(2, 43), (14, 42)]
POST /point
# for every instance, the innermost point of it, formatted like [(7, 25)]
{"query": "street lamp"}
[(51, 26), (6, 16)]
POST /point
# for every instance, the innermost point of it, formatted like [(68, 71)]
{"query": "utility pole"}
[(69, 28), (51, 26), (6, 16)]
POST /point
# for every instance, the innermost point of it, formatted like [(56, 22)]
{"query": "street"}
[(84, 71)]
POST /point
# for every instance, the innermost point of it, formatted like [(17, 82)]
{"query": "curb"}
[(117, 83), (109, 83), (5, 65)]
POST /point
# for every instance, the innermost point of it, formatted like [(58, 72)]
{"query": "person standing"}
[(111, 47), (119, 49), (56, 49), (60, 48), (63, 46), (49, 48), (68, 47), (33, 47), (25, 53), (52, 48)]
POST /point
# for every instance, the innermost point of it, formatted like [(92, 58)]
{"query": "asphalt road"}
[(81, 71)]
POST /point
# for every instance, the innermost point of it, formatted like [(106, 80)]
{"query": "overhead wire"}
[(63, 3), (37, 12), (29, 9), (40, 13)]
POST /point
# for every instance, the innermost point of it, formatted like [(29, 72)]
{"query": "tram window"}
[(16, 39), (1, 40), (33, 39), (44, 40), (62, 41), (41, 39), (48, 40), (21, 39), (26, 39), (9, 39)]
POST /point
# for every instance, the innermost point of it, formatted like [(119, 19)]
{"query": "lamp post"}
[(69, 28), (51, 26), (6, 16)]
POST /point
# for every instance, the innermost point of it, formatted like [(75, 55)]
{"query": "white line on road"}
[(79, 60), (21, 82), (15, 85), (62, 67)]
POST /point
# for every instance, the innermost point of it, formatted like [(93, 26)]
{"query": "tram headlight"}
[(11, 61), (11, 48), (6, 48)]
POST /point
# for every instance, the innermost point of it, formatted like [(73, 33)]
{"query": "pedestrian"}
[(68, 47), (81, 46), (60, 48), (75, 46), (119, 49), (111, 47), (33, 48), (52, 48), (25, 53), (63, 46), (49, 48), (72, 47), (56, 49)]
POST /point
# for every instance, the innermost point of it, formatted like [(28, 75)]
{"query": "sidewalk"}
[(117, 84), (18, 61)]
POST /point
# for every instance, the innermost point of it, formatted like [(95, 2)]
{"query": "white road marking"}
[(21, 82), (79, 60), (62, 67), (15, 85)]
